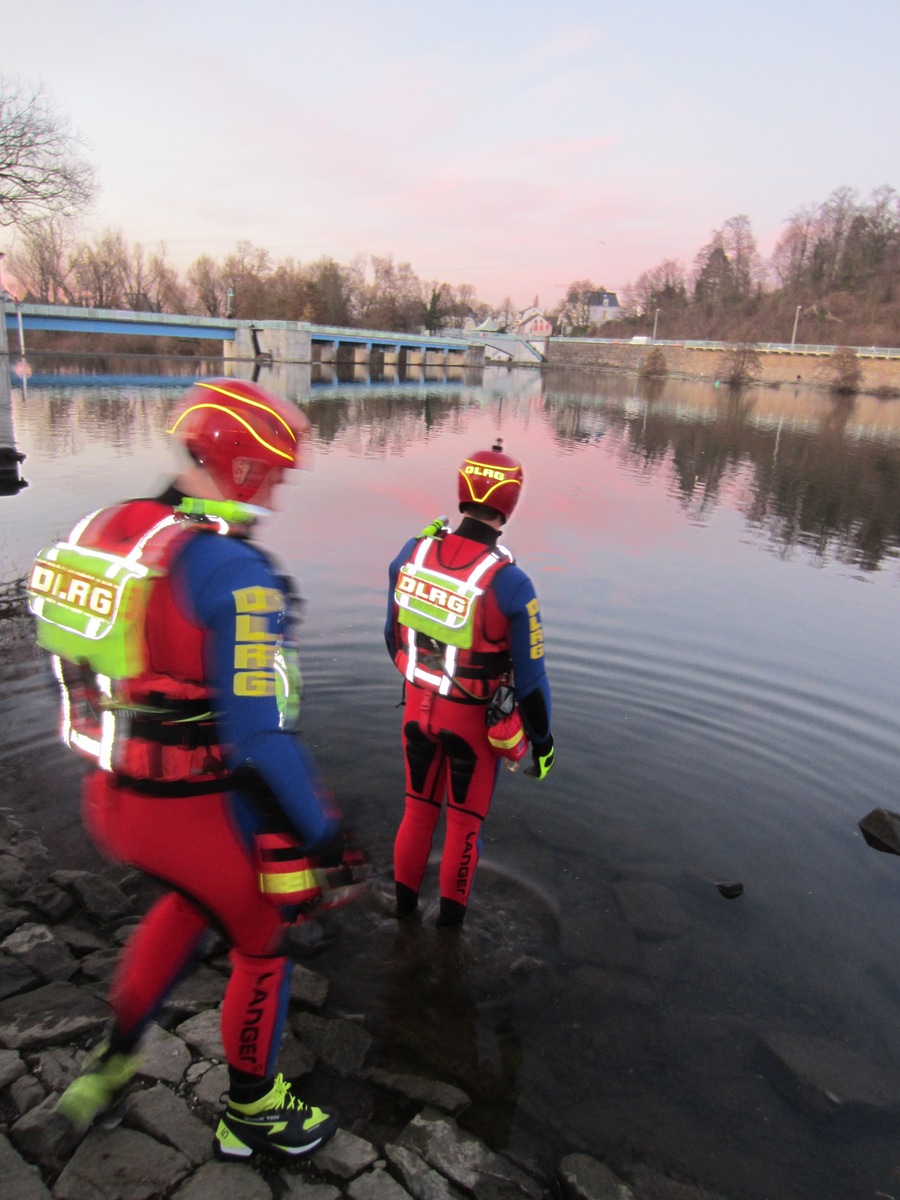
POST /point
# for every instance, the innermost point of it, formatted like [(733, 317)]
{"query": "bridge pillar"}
[(276, 341), (289, 379), (475, 354)]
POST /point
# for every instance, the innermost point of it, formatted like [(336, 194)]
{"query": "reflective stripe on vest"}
[(99, 653), (97, 748), (437, 604), (441, 607), (89, 602)]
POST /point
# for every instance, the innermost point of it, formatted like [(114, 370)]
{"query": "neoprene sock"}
[(244, 1088), (407, 900), (452, 914)]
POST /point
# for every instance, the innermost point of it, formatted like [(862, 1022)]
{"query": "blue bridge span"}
[(275, 341)]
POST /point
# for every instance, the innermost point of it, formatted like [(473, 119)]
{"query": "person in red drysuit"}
[(462, 621), (198, 778)]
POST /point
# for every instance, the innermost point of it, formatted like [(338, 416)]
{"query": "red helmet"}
[(491, 477), (239, 433)]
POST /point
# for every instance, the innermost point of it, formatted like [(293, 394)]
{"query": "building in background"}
[(532, 323), (603, 306)]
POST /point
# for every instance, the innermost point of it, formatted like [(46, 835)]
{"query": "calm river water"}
[(719, 581)]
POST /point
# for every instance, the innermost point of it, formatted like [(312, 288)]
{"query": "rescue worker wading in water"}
[(463, 627), (199, 780)]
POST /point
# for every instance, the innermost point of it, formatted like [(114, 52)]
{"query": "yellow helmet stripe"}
[(500, 482), (262, 441), (212, 387)]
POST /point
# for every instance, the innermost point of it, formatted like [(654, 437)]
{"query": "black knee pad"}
[(420, 752), (462, 765)]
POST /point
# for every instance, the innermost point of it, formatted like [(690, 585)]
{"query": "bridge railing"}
[(65, 318), (762, 347)]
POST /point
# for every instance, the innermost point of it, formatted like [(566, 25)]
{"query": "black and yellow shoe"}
[(279, 1122)]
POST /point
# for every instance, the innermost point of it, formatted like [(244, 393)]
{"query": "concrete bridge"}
[(256, 341)]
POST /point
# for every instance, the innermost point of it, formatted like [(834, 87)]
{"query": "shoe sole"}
[(246, 1152), (109, 1117)]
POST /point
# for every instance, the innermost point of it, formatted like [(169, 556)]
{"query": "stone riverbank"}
[(60, 934)]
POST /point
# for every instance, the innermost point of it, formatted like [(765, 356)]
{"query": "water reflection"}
[(805, 469), (817, 471), (433, 1027)]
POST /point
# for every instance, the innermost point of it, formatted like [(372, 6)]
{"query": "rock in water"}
[(881, 829)]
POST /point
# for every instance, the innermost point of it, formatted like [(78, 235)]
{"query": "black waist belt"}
[(172, 732), (176, 788), (479, 672), (482, 664)]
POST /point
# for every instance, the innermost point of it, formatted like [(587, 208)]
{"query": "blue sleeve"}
[(518, 602), (236, 596), (393, 572)]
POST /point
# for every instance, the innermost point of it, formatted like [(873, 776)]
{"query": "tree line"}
[(832, 277), (52, 265)]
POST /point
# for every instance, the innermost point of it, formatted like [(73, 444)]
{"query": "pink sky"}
[(514, 147)]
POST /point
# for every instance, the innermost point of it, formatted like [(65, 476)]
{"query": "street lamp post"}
[(796, 319), (655, 320)]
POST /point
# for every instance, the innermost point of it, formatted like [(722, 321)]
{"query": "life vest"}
[(443, 645), (128, 662)]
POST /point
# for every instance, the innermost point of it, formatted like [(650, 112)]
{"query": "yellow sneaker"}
[(279, 1122), (100, 1088)]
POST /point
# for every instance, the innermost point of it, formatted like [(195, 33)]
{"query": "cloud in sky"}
[(513, 146)]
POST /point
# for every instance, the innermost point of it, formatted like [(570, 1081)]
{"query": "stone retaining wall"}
[(814, 370)]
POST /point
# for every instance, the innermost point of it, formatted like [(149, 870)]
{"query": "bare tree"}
[(654, 365), (577, 309), (207, 282), (101, 271), (168, 293), (663, 286), (151, 285), (247, 273), (845, 371), (392, 299), (41, 173), (746, 263), (742, 364), (330, 291), (835, 218), (42, 261), (507, 313), (790, 259)]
